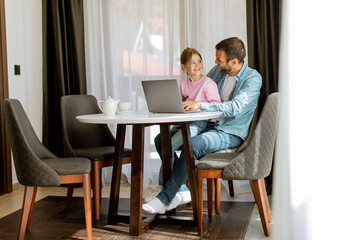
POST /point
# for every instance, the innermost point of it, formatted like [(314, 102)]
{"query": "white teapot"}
[(109, 106)]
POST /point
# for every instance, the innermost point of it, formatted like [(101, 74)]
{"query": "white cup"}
[(124, 106)]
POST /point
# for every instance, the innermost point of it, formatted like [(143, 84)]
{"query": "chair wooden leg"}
[(87, 204), (69, 195), (29, 197), (217, 194), (200, 201), (231, 188), (95, 178), (263, 187), (32, 207), (260, 201), (210, 197)]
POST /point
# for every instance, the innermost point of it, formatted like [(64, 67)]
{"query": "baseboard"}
[(16, 186)]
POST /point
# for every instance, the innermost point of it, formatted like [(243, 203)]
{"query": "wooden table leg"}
[(166, 152), (117, 167), (190, 165), (137, 168)]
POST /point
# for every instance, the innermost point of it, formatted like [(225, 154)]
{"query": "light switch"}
[(17, 69)]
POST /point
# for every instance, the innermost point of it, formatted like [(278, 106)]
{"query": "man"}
[(239, 88)]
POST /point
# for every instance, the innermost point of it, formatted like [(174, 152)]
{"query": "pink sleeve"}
[(212, 92), (182, 88)]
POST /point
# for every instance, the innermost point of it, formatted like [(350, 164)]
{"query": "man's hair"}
[(233, 48), (187, 54)]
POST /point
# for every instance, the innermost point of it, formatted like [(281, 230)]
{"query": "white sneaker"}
[(155, 190), (155, 206), (180, 198), (174, 203)]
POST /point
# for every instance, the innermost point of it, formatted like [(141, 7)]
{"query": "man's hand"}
[(191, 105)]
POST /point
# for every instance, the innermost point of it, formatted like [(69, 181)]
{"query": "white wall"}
[(24, 48)]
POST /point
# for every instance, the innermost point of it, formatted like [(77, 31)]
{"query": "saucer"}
[(128, 111)]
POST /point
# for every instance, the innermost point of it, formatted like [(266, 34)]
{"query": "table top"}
[(147, 118)]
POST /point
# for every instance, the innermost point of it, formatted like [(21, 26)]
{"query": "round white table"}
[(139, 121), (147, 118)]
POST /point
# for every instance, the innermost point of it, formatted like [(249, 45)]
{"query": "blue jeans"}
[(210, 140), (195, 128)]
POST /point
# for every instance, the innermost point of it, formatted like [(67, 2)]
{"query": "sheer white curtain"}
[(132, 40), (207, 22), (316, 192), (127, 42)]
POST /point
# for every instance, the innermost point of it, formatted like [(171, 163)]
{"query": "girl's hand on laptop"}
[(191, 105)]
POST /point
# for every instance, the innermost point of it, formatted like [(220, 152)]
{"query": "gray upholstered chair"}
[(37, 167), (93, 141), (252, 163), (241, 147)]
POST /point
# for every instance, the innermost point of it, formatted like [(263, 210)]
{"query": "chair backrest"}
[(251, 132), (255, 161), (27, 149), (77, 134)]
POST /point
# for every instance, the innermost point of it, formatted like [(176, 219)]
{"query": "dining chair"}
[(252, 163), (93, 141), (241, 147), (36, 166)]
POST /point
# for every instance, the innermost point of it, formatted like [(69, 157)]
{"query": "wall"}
[(24, 48)]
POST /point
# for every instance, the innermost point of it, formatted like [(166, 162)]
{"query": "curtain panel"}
[(133, 40), (128, 42), (207, 22), (263, 33), (64, 63)]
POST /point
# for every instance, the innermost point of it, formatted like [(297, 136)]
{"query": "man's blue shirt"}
[(238, 111)]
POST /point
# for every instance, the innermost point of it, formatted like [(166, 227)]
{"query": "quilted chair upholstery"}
[(241, 147), (253, 163), (93, 141), (81, 137), (36, 166)]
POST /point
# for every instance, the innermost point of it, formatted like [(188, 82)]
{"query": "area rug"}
[(50, 221)]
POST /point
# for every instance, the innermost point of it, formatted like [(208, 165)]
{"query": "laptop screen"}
[(163, 96)]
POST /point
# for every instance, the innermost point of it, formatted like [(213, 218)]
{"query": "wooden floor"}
[(50, 221)]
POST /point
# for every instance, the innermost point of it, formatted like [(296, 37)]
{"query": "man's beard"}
[(226, 70)]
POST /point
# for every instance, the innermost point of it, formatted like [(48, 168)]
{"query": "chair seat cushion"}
[(215, 160), (69, 166), (228, 150), (99, 153)]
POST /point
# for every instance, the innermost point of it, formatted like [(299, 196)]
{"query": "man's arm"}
[(244, 98)]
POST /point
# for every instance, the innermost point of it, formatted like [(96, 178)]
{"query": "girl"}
[(196, 87)]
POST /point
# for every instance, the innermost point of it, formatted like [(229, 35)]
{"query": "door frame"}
[(5, 157)]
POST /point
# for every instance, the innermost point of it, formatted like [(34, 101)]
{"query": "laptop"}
[(163, 96)]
